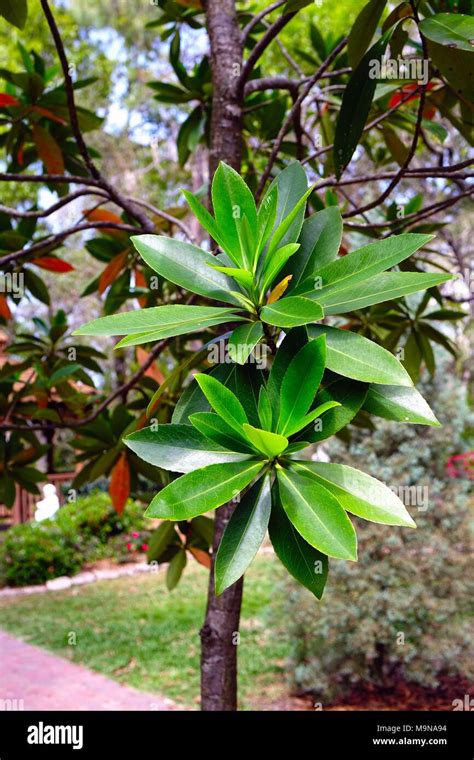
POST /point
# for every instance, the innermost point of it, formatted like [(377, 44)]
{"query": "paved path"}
[(46, 682)]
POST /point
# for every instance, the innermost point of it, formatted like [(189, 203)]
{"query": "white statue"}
[(47, 507)]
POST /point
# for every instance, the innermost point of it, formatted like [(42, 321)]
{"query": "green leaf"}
[(269, 444), (202, 490), (300, 384), (274, 263), (175, 569), (383, 287), (206, 220), (313, 415), (266, 217), (306, 564), (184, 265), (354, 356), (450, 45), (364, 263), (160, 540), (179, 448), (350, 395), (320, 240), (214, 427), (223, 401), (358, 493), (293, 221), (243, 535), (232, 202), (164, 320), (242, 276), (291, 344), (393, 402), (265, 414), (363, 30), (15, 12), (243, 340), (317, 515), (355, 106), (292, 184), (246, 384), (292, 312)]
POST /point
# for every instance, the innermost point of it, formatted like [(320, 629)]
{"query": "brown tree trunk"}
[(219, 634)]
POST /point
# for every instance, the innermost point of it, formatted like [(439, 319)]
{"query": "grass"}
[(133, 630)]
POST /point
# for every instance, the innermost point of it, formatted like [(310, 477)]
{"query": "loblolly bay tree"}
[(307, 334), (241, 432)]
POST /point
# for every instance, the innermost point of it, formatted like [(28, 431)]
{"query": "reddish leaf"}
[(48, 150), (119, 488), (8, 100), (103, 215), (201, 556), (48, 114), (20, 154), (140, 282), (112, 269), (153, 371), (52, 264), (4, 308)]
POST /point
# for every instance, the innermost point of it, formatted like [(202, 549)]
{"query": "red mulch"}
[(403, 696)]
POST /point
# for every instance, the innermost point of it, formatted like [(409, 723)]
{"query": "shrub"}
[(81, 532), (36, 552), (402, 611), (93, 517)]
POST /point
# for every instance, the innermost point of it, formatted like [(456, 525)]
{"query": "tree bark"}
[(219, 634)]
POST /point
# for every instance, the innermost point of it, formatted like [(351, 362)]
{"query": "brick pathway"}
[(46, 682)]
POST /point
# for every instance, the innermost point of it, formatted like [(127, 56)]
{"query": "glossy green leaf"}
[(317, 515), (202, 490), (292, 221), (358, 493), (206, 220), (185, 265), (383, 287), (160, 539), (450, 45), (300, 383), (243, 535), (363, 30), (364, 263), (355, 107), (292, 312), (223, 401), (157, 319), (214, 427), (292, 184), (350, 394), (393, 402), (179, 448), (354, 356), (232, 202), (243, 340), (303, 561), (274, 263), (175, 569), (265, 413), (320, 240), (312, 416), (293, 341), (269, 444)]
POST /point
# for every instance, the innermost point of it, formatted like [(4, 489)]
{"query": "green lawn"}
[(135, 631)]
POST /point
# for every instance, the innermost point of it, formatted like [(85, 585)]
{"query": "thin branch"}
[(122, 389), (261, 46), (60, 236), (39, 214), (171, 219), (49, 178), (415, 217), (258, 17), (296, 105)]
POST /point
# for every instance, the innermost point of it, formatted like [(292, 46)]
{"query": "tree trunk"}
[(219, 634)]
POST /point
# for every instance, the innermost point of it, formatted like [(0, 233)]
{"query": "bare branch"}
[(41, 213), (258, 17), (261, 46)]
